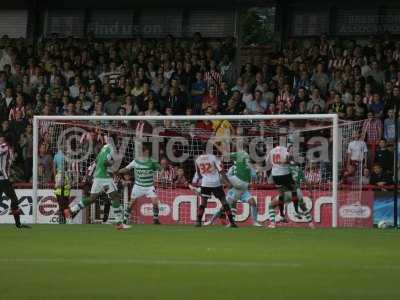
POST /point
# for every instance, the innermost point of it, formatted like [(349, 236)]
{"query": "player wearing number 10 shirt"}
[(279, 159), (210, 172)]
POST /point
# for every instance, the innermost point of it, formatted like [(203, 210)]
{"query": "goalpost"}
[(80, 137)]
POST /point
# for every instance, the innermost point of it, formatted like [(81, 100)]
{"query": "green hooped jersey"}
[(144, 171), (297, 175), (105, 155), (242, 165)]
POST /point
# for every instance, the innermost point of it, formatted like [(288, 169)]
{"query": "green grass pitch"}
[(183, 262)]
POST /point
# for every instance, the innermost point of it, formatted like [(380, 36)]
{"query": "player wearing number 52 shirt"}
[(209, 171), (144, 170), (279, 159), (6, 158)]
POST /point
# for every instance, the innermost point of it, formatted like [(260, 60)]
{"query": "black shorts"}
[(207, 192), (7, 188), (285, 181)]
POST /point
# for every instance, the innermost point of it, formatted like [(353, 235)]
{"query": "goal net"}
[(318, 144)]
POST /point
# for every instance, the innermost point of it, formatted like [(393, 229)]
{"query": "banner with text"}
[(180, 206), (47, 208)]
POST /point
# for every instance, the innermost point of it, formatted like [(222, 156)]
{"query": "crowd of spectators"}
[(360, 81)]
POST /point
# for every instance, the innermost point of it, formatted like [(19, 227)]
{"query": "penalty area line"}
[(200, 263), (149, 261)]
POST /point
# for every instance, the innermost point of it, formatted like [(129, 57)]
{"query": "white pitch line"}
[(205, 263), (149, 261)]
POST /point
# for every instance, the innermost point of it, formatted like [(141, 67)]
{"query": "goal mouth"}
[(313, 140)]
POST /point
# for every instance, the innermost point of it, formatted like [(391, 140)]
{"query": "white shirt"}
[(278, 159), (208, 168), (357, 150)]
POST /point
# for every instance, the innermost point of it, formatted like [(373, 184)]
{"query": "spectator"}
[(198, 92), (349, 175), (111, 107), (257, 105), (224, 96), (176, 101), (320, 79), (45, 164), (379, 177), (19, 106), (384, 157), (389, 127), (130, 107), (26, 145), (356, 150), (315, 100), (372, 132), (377, 106), (338, 106), (151, 110), (180, 178), (366, 176), (210, 100), (213, 78), (167, 173)]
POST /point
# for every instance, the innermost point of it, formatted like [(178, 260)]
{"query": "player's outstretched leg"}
[(73, 210)]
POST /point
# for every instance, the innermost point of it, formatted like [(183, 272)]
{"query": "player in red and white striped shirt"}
[(6, 159)]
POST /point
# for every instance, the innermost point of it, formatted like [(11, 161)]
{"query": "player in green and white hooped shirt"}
[(103, 182), (144, 170), (239, 176)]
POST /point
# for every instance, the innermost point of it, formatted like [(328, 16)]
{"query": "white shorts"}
[(101, 185), (141, 191)]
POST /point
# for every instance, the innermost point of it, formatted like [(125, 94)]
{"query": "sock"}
[(127, 213), (228, 212), (253, 212), (118, 211), (16, 214), (200, 213), (106, 212), (156, 211), (271, 213)]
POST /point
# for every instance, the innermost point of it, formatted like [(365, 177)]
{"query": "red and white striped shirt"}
[(213, 78), (166, 175), (14, 110), (6, 158)]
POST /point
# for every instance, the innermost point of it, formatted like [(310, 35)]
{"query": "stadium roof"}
[(128, 3)]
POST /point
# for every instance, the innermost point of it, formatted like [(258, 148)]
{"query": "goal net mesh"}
[(176, 144)]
